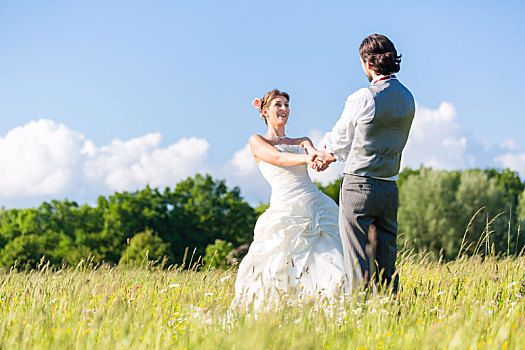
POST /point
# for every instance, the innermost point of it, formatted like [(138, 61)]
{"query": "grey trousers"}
[(368, 228)]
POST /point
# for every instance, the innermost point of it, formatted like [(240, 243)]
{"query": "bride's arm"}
[(307, 144), (262, 150)]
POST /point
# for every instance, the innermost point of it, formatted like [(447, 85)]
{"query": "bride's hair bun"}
[(381, 54)]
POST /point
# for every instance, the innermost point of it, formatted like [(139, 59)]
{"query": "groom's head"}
[(381, 55)]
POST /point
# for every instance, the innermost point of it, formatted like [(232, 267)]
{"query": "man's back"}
[(379, 141)]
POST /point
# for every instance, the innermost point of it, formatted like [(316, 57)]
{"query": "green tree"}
[(428, 212), (23, 237), (520, 241), (332, 189), (436, 208), (521, 207), (202, 210), (216, 253), (128, 213), (143, 247), (510, 182), (477, 190), (405, 174), (261, 208), (25, 249), (75, 228)]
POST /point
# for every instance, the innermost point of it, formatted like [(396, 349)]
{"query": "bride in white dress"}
[(296, 249)]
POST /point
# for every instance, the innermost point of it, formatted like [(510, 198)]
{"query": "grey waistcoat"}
[(378, 143)]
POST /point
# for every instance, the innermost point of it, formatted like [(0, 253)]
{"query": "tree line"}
[(441, 212), (445, 213), (126, 225)]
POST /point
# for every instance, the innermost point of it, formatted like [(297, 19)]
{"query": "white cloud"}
[(133, 164), (512, 158), (43, 160), (437, 141), (513, 161), (509, 144), (39, 158), (242, 171), (243, 162)]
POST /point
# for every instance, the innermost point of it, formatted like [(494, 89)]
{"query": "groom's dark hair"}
[(380, 52)]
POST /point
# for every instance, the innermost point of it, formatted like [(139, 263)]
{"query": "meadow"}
[(469, 303)]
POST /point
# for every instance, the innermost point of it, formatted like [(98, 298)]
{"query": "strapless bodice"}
[(288, 182)]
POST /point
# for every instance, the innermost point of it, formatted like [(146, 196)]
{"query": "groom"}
[(370, 136)]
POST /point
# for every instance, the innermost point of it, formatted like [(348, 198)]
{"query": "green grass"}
[(469, 303)]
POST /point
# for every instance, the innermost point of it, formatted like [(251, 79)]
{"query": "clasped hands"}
[(321, 160)]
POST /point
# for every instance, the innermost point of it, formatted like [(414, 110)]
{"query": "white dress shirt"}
[(359, 108)]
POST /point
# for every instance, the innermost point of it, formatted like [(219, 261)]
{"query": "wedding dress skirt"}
[(296, 249)]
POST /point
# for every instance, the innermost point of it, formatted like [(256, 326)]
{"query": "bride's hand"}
[(317, 164), (313, 162), (322, 160), (323, 166), (320, 165)]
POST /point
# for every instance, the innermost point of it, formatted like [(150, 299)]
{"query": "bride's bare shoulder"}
[(256, 138)]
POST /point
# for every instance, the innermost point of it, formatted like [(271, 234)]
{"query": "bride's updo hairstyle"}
[(380, 52), (268, 98)]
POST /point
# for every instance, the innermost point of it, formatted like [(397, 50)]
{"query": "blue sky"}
[(101, 96)]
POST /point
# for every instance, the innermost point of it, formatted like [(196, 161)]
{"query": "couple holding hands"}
[(304, 243)]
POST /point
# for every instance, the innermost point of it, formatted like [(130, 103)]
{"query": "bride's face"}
[(278, 111)]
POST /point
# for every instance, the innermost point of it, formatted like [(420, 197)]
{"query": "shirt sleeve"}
[(339, 141)]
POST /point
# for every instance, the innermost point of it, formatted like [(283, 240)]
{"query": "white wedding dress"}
[(296, 250)]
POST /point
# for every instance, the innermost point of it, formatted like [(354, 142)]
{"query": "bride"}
[(296, 248)]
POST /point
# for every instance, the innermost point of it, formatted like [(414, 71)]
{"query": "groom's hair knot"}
[(380, 53)]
